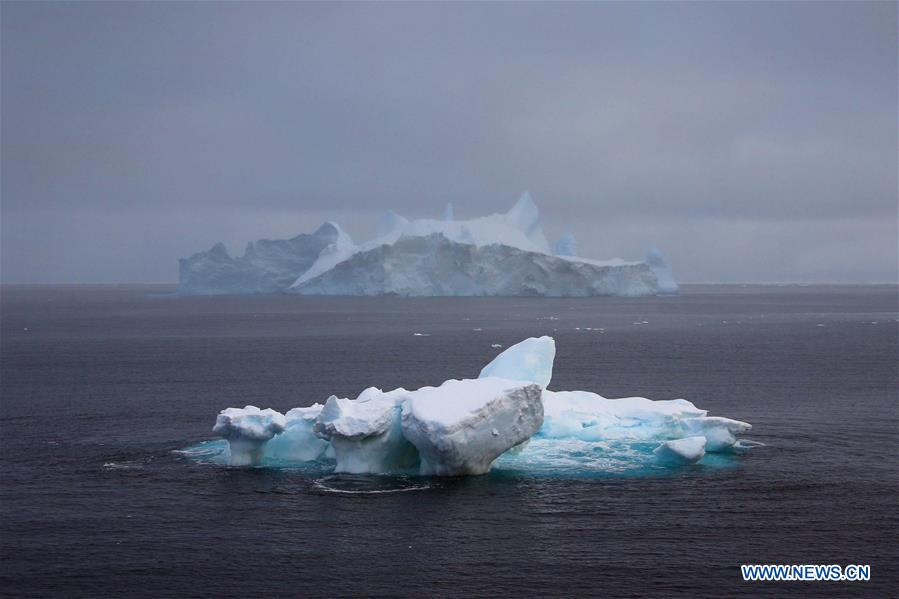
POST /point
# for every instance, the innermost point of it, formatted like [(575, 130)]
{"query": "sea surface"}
[(102, 386)]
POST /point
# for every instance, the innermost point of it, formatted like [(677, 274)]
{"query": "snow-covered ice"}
[(366, 432), (591, 417), (688, 450), (434, 265), (267, 266), (720, 433), (499, 254), (247, 431), (461, 427)]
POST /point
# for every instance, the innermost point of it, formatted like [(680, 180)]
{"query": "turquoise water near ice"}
[(544, 457)]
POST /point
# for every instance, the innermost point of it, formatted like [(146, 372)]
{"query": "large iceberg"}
[(267, 266), (499, 254), (666, 284), (433, 265), (462, 427)]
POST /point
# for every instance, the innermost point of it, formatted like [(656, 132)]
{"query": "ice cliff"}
[(267, 266), (501, 254), (664, 277), (462, 427)]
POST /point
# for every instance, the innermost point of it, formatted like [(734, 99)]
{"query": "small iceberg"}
[(505, 416), (688, 450)]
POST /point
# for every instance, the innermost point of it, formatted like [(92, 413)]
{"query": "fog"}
[(751, 142)]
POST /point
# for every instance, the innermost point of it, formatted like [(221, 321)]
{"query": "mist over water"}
[(101, 386)]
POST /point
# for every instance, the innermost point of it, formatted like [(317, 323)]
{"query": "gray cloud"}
[(750, 141)]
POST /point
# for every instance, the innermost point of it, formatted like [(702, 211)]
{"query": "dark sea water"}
[(100, 385)]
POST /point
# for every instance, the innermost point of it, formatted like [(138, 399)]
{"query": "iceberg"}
[(720, 433), (503, 254), (462, 426), (267, 266), (591, 417), (466, 426), (665, 284), (298, 441), (366, 433), (433, 265), (566, 246), (688, 450), (247, 431), (530, 360)]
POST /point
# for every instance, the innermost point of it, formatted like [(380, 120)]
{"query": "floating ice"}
[(566, 246), (666, 283), (530, 360), (435, 265), (298, 442), (460, 427), (591, 417), (525, 216), (267, 266), (720, 433), (331, 255), (499, 254), (507, 416), (688, 450), (391, 224), (366, 433), (247, 431)]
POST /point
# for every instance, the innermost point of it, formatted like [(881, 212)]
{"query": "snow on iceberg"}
[(366, 433), (688, 450), (463, 427), (720, 433), (434, 265), (331, 255), (498, 254), (518, 228), (267, 266), (591, 417), (247, 430)]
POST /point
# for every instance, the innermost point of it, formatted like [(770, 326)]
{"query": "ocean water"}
[(101, 386)]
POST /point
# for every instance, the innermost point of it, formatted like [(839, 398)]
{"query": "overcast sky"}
[(750, 142)]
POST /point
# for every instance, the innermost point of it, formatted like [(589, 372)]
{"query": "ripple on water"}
[(369, 484)]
